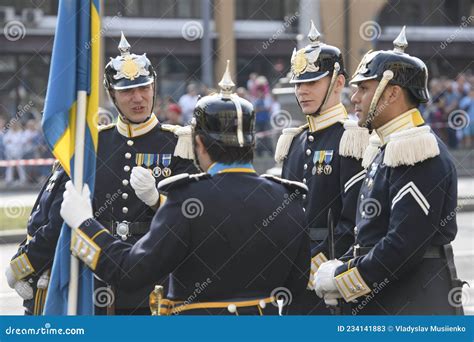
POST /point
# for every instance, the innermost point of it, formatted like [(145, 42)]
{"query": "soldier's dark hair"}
[(411, 99), (226, 154)]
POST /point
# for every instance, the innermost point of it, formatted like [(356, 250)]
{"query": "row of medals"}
[(320, 169), (158, 171)]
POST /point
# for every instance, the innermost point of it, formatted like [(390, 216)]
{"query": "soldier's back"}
[(247, 236)]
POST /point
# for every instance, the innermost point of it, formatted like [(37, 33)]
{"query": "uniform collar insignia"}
[(409, 119), (327, 118), (216, 168), (131, 130)]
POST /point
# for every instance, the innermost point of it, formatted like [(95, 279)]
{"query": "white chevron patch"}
[(354, 179), (411, 188)]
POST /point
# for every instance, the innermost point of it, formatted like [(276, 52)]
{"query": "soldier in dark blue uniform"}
[(29, 269), (133, 156), (325, 154), (402, 260), (232, 242)]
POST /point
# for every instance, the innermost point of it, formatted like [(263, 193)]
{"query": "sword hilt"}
[(156, 298)]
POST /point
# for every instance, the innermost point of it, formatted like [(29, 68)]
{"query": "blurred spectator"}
[(158, 106), (262, 106), (252, 86), (447, 97), (434, 110), (32, 139), (2, 145), (173, 115), (30, 135), (262, 83), (187, 102), (14, 140), (275, 106), (467, 104), (346, 101), (243, 93), (451, 103), (461, 86), (205, 90)]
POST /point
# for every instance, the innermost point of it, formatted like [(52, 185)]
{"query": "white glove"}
[(21, 287), (330, 298), (324, 279), (76, 208), (43, 281), (143, 182)]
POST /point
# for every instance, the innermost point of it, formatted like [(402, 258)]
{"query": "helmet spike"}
[(226, 84), (314, 35), (124, 46), (400, 43)]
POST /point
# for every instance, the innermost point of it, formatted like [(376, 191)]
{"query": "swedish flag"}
[(70, 128)]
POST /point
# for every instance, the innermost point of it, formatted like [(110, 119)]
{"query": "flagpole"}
[(78, 183)]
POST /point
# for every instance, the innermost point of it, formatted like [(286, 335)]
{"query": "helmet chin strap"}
[(387, 76), (195, 155), (196, 159), (335, 72), (127, 120)]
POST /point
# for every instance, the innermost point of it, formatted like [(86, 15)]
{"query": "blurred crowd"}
[(20, 140), (257, 91), (450, 113), (451, 110)]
